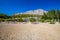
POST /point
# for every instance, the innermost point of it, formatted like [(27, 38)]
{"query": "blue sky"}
[(10, 7)]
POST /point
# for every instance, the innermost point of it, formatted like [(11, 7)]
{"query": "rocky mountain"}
[(38, 11)]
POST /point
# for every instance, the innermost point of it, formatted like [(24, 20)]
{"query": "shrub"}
[(52, 21), (59, 20), (32, 20), (2, 20), (47, 20), (20, 20), (41, 20)]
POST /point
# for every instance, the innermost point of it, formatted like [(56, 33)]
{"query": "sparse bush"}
[(59, 20), (41, 20), (20, 20), (2, 20), (52, 21), (32, 20), (47, 20)]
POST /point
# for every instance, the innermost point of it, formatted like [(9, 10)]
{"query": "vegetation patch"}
[(51, 16)]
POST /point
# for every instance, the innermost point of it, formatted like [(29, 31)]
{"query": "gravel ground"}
[(28, 31)]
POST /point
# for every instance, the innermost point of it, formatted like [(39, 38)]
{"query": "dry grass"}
[(42, 31)]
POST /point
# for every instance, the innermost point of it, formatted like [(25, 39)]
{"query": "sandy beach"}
[(41, 31)]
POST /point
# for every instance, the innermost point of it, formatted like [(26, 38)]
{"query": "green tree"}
[(3, 16), (51, 14), (58, 15)]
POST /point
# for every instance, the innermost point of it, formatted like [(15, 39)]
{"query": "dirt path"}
[(42, 31)]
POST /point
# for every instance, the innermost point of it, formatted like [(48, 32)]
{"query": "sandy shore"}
[(41, 31)]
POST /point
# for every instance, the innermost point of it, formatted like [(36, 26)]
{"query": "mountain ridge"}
[(37, 11)]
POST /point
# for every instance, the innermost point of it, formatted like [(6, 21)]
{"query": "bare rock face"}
[(38, 12), (30, 31)]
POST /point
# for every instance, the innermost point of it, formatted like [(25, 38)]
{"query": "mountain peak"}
[(38, 11)]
